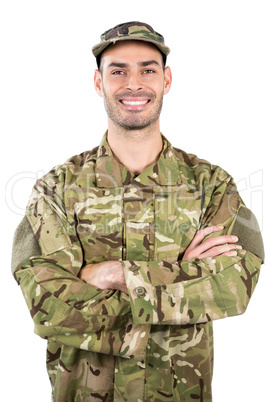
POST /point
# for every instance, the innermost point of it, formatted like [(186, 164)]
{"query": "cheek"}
[(157, 86), (112, 85)]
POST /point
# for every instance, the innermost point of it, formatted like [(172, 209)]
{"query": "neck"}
[(135, 149)]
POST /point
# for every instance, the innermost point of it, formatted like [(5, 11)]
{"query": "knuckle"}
[(211, 242), (231, 238), (207, 231), (202, 233)]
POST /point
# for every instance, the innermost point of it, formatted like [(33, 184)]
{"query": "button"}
[(140, 291)]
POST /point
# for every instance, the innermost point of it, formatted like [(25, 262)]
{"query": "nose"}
[(134, 83)]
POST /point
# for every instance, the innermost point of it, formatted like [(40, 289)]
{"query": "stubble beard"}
[(135, 123)]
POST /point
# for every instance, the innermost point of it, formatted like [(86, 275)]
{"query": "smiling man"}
[(128, 252), (133, 91)]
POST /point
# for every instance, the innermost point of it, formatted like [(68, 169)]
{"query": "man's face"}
[(132, 81)]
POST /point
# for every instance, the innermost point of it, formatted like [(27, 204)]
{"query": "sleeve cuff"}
[(155, 299)]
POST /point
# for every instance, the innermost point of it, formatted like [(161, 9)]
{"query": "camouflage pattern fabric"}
[(133, 30), (157, 343)]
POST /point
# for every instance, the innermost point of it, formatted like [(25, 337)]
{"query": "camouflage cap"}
[(131, 31)]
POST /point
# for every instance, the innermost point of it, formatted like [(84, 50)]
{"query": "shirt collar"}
[(110, 173)]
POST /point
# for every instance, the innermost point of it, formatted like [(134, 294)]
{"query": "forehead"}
[(129, 51)]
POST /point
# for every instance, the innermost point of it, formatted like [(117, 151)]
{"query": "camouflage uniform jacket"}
[(157, 343)]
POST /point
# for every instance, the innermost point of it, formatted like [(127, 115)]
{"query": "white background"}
[(216, 109)]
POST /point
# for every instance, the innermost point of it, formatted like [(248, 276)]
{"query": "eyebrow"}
[(141, 64)]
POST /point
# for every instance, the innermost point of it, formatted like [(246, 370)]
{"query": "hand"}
[(105, 275), (212, 247)]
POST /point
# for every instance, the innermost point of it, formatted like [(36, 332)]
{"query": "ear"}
[(98, 82), (168, 80)]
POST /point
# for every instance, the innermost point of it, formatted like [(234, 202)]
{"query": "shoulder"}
[(65, 175), (83, 159), (200, 169)]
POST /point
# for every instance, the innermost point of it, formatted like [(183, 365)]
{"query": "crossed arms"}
[(94, 307), (110, 274)]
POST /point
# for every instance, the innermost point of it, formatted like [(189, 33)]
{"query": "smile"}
[(134, 103)]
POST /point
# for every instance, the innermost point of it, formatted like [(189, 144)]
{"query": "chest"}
[(137, 222)]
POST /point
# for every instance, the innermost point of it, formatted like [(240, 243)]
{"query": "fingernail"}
[(233, 253), (235, 238), (220, 227)]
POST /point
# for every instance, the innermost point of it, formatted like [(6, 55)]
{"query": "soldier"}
[(128, 252)]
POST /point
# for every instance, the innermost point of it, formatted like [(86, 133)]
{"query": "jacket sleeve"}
[(47, 258), (197, 291)]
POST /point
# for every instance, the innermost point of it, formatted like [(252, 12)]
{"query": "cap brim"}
[(100, 47)]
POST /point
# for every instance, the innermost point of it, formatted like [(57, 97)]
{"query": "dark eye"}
[(148, 71), (117, 72)]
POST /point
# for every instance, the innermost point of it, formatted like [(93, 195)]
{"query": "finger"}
[(201, 234), (232, 253), (221, 250), (215, 241), (208, 244)]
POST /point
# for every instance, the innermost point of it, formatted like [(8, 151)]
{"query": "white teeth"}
[(132, 103)]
